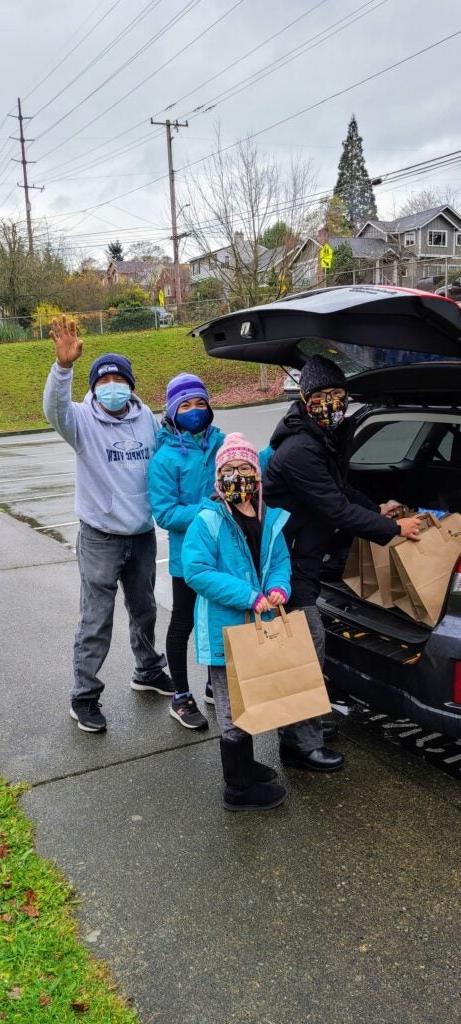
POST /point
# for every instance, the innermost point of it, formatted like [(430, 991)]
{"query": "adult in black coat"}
[(307, 476)]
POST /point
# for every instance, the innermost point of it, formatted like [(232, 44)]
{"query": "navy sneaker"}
[(160, 684), (88, 715), (185, 710), (209, 699)]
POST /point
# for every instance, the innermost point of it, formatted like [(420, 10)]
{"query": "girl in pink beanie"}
[(236, 559)]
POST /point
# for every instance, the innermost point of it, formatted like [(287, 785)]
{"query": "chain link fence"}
[(112, 321)]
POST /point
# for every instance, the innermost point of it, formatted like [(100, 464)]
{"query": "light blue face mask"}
[(114, 395)]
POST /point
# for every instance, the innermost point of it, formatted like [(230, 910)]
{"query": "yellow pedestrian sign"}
[(326, 256), (161, 297)]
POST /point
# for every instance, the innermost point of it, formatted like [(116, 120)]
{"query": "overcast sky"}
[(406, 115)]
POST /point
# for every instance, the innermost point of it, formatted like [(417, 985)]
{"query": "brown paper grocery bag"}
[(368, 571), (421, 570), (273, 673)]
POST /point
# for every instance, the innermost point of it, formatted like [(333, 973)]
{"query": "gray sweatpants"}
[(307, 735), (105, 560)]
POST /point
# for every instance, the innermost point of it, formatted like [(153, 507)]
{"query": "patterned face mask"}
[(238, 487), (327, 408)]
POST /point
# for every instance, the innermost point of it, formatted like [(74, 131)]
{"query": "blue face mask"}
[(194, 420), (113, 396)]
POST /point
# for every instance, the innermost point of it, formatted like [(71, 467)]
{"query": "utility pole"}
[(168, 125), (20, 117)]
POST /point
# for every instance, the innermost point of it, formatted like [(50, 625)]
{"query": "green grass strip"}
[(156, 356), (46, 975)]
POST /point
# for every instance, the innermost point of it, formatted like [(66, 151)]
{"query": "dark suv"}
[(405, 444)]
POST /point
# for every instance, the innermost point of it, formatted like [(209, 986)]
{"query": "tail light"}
[(456, 682), (454, 593), (456, 579)]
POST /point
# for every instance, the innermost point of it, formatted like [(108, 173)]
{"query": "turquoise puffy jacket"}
[(217, 564), (179, 475)]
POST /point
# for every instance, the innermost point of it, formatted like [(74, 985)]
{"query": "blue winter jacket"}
[(179, 475), (218, 565)]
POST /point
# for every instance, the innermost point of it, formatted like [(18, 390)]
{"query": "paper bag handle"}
[(259, 623)]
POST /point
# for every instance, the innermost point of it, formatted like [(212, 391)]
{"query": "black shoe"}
[(88, 715), (209, 699), (330, 730), (243, 792), (321, 760), (185, 710), (160, 684), (261, 796)]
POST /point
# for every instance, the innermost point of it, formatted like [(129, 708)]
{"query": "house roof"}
[(362, 248), (132, 266), (413, 221)]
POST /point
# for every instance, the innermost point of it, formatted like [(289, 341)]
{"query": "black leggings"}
[(179, 631)]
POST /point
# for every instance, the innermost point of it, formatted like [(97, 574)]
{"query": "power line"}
[(207, 81), (189, 6), (157, 71), (284, 120), (103, 53), (74, 48), (251, 79)]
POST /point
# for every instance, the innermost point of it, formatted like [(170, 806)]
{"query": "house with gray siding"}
[(428, 242)]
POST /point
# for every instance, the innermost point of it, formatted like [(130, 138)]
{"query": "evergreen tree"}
[(353, 184), (115, 250), (336, 218)]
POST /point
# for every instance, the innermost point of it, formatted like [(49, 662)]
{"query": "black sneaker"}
[(185, 710), (88, 715), (209, 699), (160, 684)]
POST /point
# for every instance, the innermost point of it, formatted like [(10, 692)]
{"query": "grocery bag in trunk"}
[(421, 570), (273, 673), (368, 571)]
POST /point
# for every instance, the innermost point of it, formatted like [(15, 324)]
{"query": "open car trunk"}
[(409, 345)]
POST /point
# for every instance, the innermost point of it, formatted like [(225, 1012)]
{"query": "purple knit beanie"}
[(181, 389)]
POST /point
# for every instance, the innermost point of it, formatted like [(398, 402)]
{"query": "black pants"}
[(179, 631)]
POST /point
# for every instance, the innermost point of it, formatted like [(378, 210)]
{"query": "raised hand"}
[(66, 342)]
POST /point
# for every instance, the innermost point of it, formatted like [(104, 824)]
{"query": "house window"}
[(437, 238), (409, 238), (458, 238), (404, 272), (226, 259)]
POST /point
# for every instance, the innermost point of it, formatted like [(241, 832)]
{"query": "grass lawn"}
[(156, 356), (45, 974)]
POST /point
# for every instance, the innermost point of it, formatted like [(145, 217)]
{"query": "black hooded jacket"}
[(306, 475)]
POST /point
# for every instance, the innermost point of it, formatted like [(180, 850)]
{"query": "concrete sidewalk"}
[(339, 907)]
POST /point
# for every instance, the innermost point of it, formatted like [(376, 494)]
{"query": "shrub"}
[(132, 320), (12, 332)]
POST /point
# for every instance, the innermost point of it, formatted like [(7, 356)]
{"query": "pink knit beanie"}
[(236, 446)]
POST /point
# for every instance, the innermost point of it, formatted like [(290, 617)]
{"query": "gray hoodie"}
[(112, 455)]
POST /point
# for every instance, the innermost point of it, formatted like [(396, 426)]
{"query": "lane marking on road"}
[(27, 479), (54, 526), (35, 497)]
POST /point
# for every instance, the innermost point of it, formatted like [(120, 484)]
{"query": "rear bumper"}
[(391, 699), (391, 662)]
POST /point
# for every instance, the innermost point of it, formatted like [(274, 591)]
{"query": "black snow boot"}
[(261, 772), (242, 792)]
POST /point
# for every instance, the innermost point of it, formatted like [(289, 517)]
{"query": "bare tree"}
[(426, 199), (240, 195)]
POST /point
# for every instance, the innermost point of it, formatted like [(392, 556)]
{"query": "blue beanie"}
[(181, 389), (111, 362)]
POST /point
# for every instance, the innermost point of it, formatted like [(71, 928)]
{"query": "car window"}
[(449, 448), (390, 443)]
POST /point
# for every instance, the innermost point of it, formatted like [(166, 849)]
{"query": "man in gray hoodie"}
[(113, 435)]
